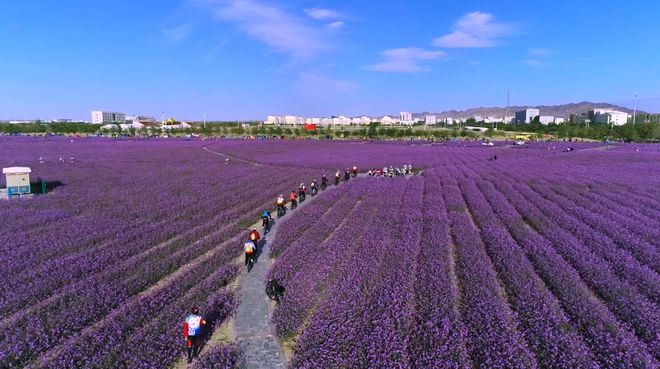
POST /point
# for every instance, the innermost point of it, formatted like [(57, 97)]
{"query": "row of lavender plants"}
[(520, 270), (81, 286)]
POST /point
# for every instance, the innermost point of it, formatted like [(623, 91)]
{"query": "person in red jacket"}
[(192, 332), (292, 199)]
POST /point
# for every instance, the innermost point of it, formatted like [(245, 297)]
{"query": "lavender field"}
[(541, 258)]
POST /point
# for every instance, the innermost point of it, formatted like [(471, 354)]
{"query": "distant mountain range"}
[(564, 110)]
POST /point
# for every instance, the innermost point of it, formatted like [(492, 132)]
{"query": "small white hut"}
[(18, 180)]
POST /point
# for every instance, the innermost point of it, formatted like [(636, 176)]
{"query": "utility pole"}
[(162, 117), (635, 110), (506, 114), (204, 120)]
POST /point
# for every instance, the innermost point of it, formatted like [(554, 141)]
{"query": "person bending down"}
[(274, 290)]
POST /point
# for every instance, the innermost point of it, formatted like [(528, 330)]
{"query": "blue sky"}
[(244, 59)]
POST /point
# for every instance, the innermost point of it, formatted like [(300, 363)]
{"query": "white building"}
[(274, 119), (560, 120), (406, 118), (20, 121), (546, 119), (365, 120), (181, 125), (105, 117), (608, 116), (388, 121), (141, 119), (449, 120), (293, 119), (341, 120), (527, 116), (136, 125)]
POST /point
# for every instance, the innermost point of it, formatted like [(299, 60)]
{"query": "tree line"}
[(642, 131)]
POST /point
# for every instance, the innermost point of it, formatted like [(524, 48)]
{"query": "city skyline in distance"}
[(245, 59)]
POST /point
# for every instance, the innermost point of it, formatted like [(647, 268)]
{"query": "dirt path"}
[(250, 326), (230, 157), (256, 339)]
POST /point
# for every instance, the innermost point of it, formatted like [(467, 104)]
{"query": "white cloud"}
[(541, 51), (322, 13), (405, 60), (279, 29), (178, 33), (316, 84), (533, 62), (336, 25), (475, 29)]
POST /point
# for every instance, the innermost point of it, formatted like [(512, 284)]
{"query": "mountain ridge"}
[(561, 110)]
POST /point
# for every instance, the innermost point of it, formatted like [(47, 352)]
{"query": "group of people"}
[(194, 322), (251, 245), (60, 159), (348, 173), (406, 170)]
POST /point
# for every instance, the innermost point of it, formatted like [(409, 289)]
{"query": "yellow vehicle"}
[(523, 136)]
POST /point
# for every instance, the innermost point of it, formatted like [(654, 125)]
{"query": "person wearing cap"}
[(192, 332)]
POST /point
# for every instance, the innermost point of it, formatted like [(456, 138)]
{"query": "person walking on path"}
[(337, 177), (192, 332), (324, 182)]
